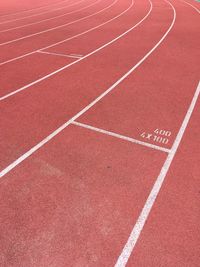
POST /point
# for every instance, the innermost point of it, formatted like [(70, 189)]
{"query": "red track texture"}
[(99, 133)]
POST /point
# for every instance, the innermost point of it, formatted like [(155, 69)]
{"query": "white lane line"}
[(50, 29), (44, 20), (93, 28), (38, 14), (195, 8), (58, 54), (70, 38), (33, 9), (75, 117), (86, 56), (126, 138), (132, 240)]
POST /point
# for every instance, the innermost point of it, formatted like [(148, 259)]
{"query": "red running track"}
[(99, 138)]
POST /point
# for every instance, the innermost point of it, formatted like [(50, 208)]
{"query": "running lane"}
[(176, 212), (47, 105), (33, 43), (41, 64)]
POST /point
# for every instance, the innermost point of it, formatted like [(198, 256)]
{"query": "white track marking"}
[(76, 55), (38, 14), (58, 54), (70, 38), (86, 56), (33, 9), (50, 29), (75, 117), (128, 248), (44, 20), (126, 138), (195, 8)]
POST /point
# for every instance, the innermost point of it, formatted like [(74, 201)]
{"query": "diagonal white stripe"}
[(129, 139)]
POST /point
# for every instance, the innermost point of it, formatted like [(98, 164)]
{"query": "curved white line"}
[(132, 240), (73, 63), (40, 21), (35, 15), (42, 48), (50, 29), (32, 9), (66, 124), (91, 29), (195, 8)]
